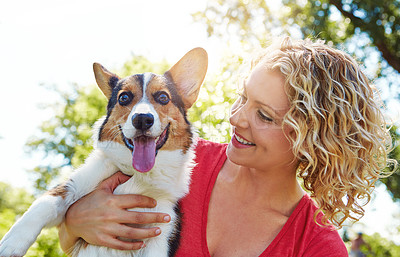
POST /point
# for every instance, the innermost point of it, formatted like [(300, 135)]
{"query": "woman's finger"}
[(133, 233), (134, 201), (133, 217), (118, 244)]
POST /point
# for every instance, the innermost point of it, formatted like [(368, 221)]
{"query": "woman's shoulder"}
[(323, 240), (301, 236), (326, 243)]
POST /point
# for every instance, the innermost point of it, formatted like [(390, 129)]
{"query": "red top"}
[(300, 236)]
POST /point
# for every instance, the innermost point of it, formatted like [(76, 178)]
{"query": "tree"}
[(65, 139), (379, 246), (380, 20), (393, 182), (254, 21)]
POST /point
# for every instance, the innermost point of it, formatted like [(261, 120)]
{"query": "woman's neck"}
[(276, 190)]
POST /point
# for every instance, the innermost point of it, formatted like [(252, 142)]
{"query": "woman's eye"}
[(264, 117), (162, 98), (125, 98)]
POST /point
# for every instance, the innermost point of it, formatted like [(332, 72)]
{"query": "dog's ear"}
[(105, 80), (188, 74)]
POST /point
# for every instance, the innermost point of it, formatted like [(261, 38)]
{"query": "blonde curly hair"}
[(340, 136)]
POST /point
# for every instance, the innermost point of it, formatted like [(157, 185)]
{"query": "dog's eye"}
[(125, 98), (161, 97)]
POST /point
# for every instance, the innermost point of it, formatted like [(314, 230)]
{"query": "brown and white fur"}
[(144, 109)]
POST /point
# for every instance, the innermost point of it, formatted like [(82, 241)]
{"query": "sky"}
[(55, 42)]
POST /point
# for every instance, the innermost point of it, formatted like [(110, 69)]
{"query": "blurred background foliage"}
[(367, 29), (379, 246)]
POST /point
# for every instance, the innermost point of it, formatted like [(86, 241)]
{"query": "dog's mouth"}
[(144, 149)]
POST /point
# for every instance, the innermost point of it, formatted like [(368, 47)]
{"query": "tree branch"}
[(378, 40)]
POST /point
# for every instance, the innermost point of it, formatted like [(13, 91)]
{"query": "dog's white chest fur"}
[(167, 182)]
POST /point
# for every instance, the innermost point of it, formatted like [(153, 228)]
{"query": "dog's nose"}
[(143, 121)]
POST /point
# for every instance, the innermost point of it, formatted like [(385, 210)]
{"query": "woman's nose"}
[(238, 117)]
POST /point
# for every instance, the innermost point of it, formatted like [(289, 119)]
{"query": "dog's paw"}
[(10, 250), (14, 245)]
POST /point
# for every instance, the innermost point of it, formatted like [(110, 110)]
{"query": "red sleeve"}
[(328, 244)]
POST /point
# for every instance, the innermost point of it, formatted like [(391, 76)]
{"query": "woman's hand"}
[(100, 217)]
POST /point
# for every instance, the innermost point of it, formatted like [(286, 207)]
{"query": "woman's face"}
[(258, 140)]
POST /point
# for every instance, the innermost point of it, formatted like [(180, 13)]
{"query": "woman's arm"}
[(100, 217)]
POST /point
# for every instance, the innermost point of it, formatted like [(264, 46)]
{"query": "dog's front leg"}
[(49, 209), (22, 235)]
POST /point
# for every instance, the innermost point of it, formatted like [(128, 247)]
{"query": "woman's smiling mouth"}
[(239, 142)]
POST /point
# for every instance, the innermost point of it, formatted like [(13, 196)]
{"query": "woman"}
[(305, 110)]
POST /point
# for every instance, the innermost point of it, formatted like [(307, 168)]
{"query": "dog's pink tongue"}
[(144, 154)]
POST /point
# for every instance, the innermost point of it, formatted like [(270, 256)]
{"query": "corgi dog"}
[(146, 135)]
